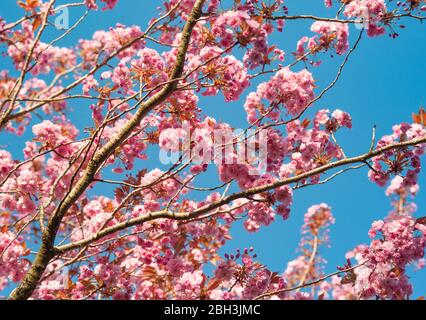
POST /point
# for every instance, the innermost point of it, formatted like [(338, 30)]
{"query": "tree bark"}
[(47, 251)]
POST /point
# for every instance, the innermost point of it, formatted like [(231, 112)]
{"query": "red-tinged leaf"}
[(87, 284), (421, 220), (119, 194), (109, 207), (22, 5), (259, 19), (349, 277), (203, 283), (421, 298), (180, 244), (396, 271), (29, 5), (213, 284), (420, 118), (70, 284), (149, 273), (36, 23), (305, 123), (215, 259), (4, 229), (5, 214), (271, 48)]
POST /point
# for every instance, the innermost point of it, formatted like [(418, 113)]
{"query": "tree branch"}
[(273, 293), (228, 199), (47, 252)]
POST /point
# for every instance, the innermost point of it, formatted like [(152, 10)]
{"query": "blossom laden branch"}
[(311, 283), (243, 194), (151, 239), (46, 252)]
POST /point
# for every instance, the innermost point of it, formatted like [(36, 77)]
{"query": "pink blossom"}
[(89, 83), (13, 266), (369, 12), (331, 33), (227, 72), (109, 4), (188, 286), (395, 162), (288, 89)]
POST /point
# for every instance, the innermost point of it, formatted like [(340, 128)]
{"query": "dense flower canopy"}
[(60, 238)]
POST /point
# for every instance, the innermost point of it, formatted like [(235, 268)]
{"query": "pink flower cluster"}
[(295, 269), (23, 182), (97, 213), (244, 171), (108, 42), (39, 174), (164, 189), (291, 90), (173, 139), (284, 196), (185, 6), (6, 163), (246, 277), (261, 209), (262, 281), (259, 213), (121, 76), (134, 147), (401, 242), (239, 26), (277, 148), (332, 123), (316, 218), (370, 14), (398, 161), (188, 286), (226, 73), (2, 25), (312, 148), (328, 3), (13, 265), (53, 134), (237, 20), (150, 67), (397, 187), (398, 243), (315, 229), (332, 33), (109, 4), (90, 83), (49, 57), (38, 87)]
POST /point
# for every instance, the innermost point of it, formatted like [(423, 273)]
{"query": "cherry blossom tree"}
[(61, 237)]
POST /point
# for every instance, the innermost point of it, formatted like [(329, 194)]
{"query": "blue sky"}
[(383, 83)]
